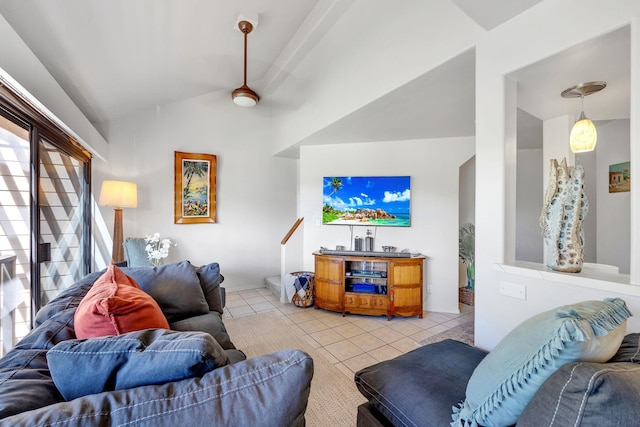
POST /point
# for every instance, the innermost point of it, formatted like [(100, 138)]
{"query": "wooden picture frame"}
[(620, 177), (194, 188)]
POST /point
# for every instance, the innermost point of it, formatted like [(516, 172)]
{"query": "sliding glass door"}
[(63, 238), (45, 211), (15, 236)]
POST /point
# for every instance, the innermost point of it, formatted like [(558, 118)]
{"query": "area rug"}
[(463, 332), (334, 398)]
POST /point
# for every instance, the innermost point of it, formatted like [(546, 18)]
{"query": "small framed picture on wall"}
[(194, 188), (620, 177)]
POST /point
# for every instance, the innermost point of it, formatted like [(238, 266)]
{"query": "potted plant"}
[(466, 249)]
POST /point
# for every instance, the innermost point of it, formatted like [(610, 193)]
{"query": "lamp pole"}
[(117, 253)]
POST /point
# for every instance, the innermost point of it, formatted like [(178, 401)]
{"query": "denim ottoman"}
[(418, 388)]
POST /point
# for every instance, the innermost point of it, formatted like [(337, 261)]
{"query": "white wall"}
[(467, 211), (511, 46), (467, 208), (17, 61), (529, 198), (549, 290), (590, 224), (433, 166), (613, 209), (256, 192), (376, 47)]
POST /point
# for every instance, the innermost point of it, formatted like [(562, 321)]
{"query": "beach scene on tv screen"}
[(367, 200)]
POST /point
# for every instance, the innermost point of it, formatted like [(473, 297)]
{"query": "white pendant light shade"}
[(583, 136)]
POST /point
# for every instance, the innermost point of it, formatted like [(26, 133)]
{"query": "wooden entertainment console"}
[(373, 285)]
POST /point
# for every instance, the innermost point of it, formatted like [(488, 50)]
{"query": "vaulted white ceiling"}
[(116, 57)]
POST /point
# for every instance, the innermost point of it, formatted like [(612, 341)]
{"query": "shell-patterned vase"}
[(565, 208)]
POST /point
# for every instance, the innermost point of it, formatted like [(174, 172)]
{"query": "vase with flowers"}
[(157, 249)]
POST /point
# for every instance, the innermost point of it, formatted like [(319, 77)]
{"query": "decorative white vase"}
[(565, 208)]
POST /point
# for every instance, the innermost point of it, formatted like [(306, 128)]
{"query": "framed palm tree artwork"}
[(194, 188)]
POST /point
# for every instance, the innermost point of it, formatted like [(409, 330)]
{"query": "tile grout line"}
[(351, 342)]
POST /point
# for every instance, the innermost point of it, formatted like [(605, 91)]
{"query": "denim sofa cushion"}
[(210, 280), (176, 288), (586, 395), (67, 299), (210, 323), (26, 363), (242, 394), (150, 356), (629, 350), (421, 385)]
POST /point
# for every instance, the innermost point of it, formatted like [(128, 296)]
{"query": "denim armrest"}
[(588, 395), (266, 390)]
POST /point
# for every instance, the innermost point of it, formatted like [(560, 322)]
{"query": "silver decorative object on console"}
[(357, 243), (368, 242)]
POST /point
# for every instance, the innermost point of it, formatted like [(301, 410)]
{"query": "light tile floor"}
[(351, 342)]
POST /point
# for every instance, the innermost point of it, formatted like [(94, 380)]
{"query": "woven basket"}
[(466, 296), (307, 300)]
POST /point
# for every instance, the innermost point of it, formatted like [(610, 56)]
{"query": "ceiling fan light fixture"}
[(244, 96)]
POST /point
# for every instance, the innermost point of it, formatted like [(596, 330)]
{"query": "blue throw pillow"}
[(151, 356), (507, 379)]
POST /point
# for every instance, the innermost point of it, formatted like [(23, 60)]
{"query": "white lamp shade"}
[(119, 194), (583, 136)]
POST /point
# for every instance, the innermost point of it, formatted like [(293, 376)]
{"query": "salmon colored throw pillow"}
[(115, 305)]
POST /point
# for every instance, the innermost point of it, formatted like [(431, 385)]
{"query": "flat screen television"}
[(367, 200)]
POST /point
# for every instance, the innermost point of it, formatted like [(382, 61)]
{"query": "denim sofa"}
[(421, 387), (271, 390)]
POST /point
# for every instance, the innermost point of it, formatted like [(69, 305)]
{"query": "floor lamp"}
[(118, 194)]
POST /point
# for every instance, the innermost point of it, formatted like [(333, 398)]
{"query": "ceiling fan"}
[(244, 96)]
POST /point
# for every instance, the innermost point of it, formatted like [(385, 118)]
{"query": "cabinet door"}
[(379, 302), (364, 301), (406, 282), (350, 300), (329, 282)]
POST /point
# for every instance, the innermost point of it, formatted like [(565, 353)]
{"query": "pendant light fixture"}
[(583, 136), (244, 96)]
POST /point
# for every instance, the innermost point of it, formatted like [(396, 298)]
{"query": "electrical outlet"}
[(429, 289)]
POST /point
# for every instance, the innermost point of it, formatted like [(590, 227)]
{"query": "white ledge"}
[(592, 276)]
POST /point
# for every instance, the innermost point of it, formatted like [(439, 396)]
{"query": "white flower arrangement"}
[(157, 249)]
